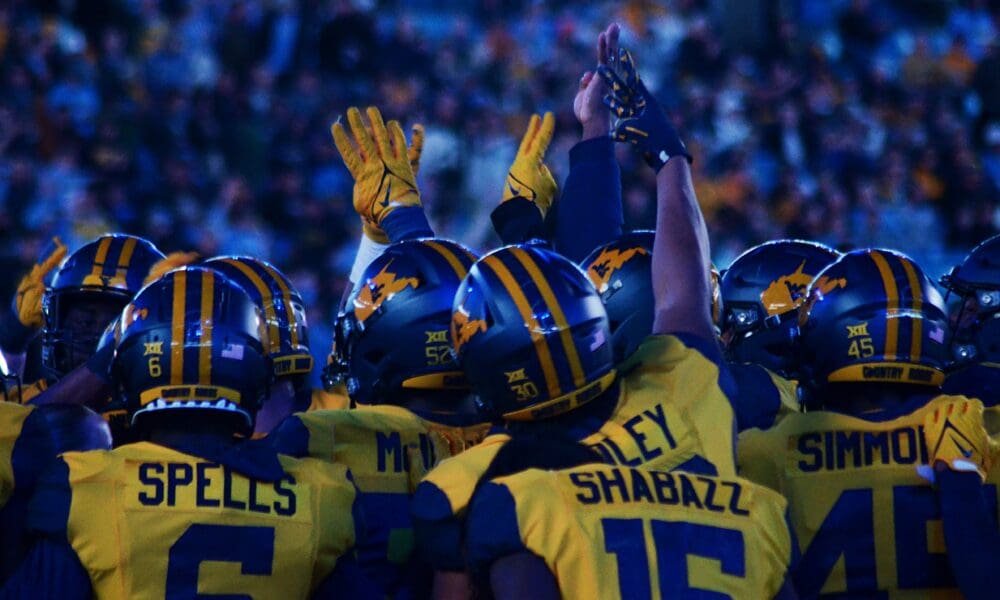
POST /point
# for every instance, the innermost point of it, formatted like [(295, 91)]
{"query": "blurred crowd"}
[(204, 124)]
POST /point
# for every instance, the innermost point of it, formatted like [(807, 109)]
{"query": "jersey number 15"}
[(674, 542)]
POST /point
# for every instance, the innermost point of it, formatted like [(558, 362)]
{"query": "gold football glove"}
[(528, 176), (28, 300), (955, 435), (416, 147), (174, 260), (413, 152), (379, 162)]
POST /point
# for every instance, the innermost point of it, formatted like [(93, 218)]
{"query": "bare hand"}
[(587, 104)]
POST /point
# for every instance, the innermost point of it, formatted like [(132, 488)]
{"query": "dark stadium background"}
[(204, 125)]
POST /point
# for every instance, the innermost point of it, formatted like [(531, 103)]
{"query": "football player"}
[(873, 350), (588, 213), (192, 509), (761, 293), (975, 341), (88, 291), (284, 311), (31, 437), (620, 271), (533, 339), (592, 530), (385, 183), (20, 326), (961, 456), (393, 353)]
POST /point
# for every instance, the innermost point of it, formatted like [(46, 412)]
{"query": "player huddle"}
[(581, 413)]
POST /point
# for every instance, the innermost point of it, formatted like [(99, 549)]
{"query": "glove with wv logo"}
[(639, 119), (383, 167), (956, 437), (528, 177)]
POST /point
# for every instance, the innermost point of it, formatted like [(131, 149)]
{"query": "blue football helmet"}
[(283, 307), (621, 271), (392, 337), (192, 340), (531, 334), (761, 293), (976, 322), (873, 316), (97, 281)]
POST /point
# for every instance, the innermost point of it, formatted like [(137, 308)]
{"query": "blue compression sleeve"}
[(407, 223), (589, 211), (970, 534)]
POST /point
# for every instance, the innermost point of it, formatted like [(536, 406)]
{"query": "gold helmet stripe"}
[(205, 347), (552, 303), (892, 305), (534, 328), (918, 306), (449, 256), (286, 295), (268, 300), (125, 259), (100, 257), (177, 329)]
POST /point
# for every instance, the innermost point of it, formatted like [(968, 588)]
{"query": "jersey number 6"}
[(251, 547)]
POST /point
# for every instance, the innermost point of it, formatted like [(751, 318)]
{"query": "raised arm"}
[(529, 189), (589, 211), (960, 458), (681, 262), (384, 169), (22, 322)]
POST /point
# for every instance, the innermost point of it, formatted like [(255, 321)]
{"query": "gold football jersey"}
[(614, 532), (12, 418), (866, 522), (389, 450), (673, 410), (148, 521)]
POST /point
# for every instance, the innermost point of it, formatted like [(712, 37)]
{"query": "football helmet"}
[(531, 334), (393, 334), (761, 292), (873, 316), (976, 319), (90, 288), (283, 307), (192, 340), (622, 273)]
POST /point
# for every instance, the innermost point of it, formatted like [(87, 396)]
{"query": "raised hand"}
[(587, 105), (380, 163), (28, 299), (529, 177), (639, 118), (956, 436)]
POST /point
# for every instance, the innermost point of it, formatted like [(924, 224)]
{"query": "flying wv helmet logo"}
[(789, 291), (378, 289), (821, 287), (608, 262), (464, 329)]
